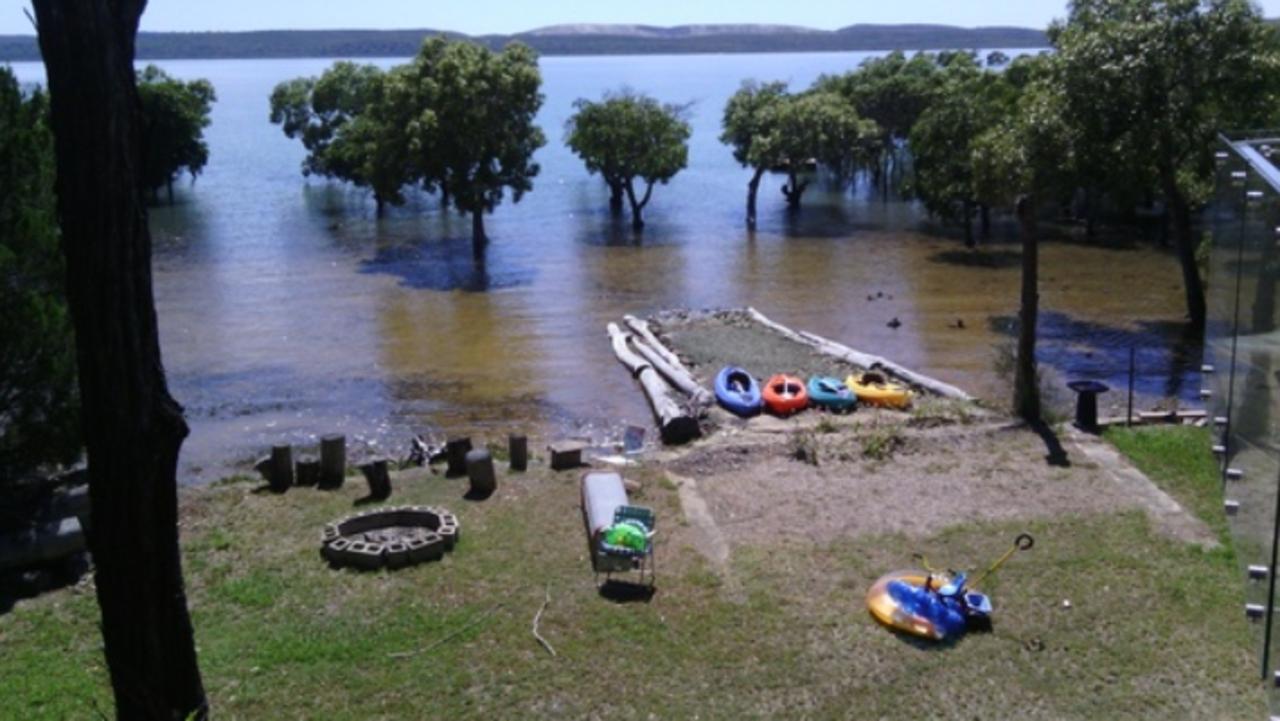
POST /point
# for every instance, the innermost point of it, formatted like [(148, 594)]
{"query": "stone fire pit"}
[(390, 537)]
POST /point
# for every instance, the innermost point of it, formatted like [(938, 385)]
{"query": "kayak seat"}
[(955, 588)]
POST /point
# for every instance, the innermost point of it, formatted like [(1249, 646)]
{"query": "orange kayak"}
[(784, 395)]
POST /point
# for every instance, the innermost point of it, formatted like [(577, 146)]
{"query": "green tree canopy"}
[(346, 125), (39, 421), (768, 128), (626, 137), (175, 114), (967, 103), (1149, 83), (483, 137), (814, 126)]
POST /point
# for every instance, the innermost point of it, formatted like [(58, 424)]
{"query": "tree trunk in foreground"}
[(753, 188), (1184, 240), (1026, 388), (479, 241), (133, 428)]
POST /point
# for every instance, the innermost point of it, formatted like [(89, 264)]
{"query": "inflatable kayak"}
[(936, 607), (737, 391), (784, 395), (874, 389), (831, 394)]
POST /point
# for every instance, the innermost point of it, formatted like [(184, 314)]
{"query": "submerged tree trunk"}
[(615, 196), (1026, 388), (1184, 240), (479, 241), (133, 428), (637, 206), (753, 188), (793, 189)]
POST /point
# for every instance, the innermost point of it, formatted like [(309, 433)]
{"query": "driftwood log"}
[(676, 422), (677, 375), (863, 360), (642, 329)]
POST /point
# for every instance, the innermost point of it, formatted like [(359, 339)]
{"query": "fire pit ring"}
[(389, 538)]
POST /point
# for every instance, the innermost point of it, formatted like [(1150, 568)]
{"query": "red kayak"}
[(784, 395)]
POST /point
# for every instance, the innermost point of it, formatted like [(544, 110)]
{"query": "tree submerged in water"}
[(458, 118), (771, 129), (175, 114), (626, 137)]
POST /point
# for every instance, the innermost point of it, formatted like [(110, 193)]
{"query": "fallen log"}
[(864, 360), (642, 329), (675, 422), (678, 376)]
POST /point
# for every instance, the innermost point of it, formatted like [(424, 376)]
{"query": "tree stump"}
[(375, 472), (480, 472), (307, 472), (280, 474), (333, 461), (456, 453), (518, 450)]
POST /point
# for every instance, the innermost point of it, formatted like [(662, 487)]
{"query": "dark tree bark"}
[(985, 211), (1026, 388), (615, 196), (969, 241), (637, 205), (793, 190), (753, 188), (1184, 241), (479, 241), (133, 428)]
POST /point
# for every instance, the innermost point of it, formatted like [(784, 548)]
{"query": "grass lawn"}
[(1153, 630)]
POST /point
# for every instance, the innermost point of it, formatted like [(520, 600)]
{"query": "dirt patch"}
[(888, 474)]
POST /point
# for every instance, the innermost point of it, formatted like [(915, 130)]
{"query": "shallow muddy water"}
[(288, 310)]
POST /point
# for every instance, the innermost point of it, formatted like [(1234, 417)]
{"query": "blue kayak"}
[(831, 394), (738, 392)]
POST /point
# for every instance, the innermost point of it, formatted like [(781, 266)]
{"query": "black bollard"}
[(480, 472), (456, 454), (333, 461), (518, 449)]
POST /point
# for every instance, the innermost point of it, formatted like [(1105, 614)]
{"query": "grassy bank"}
[(1152, 630)]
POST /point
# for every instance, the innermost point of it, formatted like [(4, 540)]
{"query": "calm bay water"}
[(288, 310)]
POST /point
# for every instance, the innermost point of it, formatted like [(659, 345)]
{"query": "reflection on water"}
[(288, 309)]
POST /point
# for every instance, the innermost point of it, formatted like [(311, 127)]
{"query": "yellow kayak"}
[(873, 389)]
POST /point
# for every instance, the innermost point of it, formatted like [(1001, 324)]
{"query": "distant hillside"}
[(563, 40)]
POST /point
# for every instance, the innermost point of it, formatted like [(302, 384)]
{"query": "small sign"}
[(633, 439)]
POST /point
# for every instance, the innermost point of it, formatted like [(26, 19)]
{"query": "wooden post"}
[(307, 471), (518, 450), (456, 451), (375, 472), (281, 473), (333, 461), (480, 472)]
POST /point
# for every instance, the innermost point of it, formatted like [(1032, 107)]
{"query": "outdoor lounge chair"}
[(605, 503)]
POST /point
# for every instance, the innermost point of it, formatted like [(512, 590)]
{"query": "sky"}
[(509, 16)]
